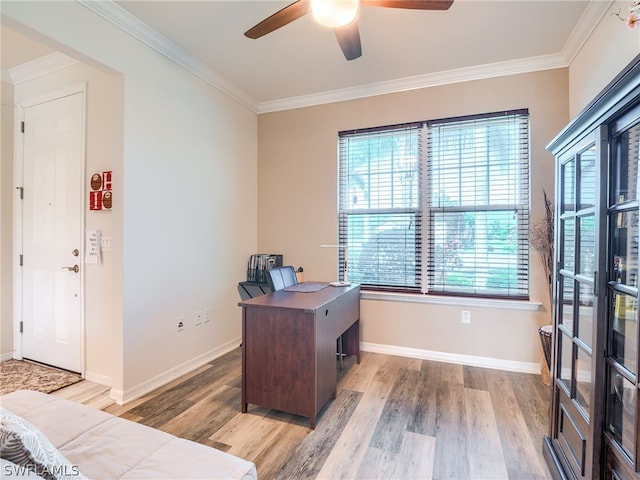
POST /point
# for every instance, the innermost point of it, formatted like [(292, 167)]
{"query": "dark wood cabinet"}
[(594, 412)]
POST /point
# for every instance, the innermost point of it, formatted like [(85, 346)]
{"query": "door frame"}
[(18, 182)]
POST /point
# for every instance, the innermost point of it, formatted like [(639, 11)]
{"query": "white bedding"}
[(109, 447)]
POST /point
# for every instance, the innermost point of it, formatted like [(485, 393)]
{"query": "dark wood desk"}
[(289, 347)]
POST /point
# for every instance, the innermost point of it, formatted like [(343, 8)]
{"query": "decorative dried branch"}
[(541, 240)]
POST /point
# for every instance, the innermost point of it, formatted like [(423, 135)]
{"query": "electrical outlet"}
[(466, 316), (199, 317), (207, 315), (180, 324)]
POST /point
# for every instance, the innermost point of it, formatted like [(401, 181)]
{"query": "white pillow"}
[(27, 447)]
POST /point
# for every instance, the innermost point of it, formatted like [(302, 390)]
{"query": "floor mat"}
[(23, 375)]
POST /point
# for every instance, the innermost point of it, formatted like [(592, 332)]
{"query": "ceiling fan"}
[(341, 15)]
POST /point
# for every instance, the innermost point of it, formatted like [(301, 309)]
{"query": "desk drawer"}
[(341, 312)]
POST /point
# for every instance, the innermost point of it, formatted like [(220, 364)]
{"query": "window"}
[(458, 228), (380, 201)]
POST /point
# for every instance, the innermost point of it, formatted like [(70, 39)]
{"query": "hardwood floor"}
[(393, 417)]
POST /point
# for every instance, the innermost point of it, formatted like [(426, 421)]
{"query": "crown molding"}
[(121, 18), (130, 24), (592, 15), (40, 66), (479, 72), (6, 76)]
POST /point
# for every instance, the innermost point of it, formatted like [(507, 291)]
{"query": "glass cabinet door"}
[(621, 410), (577, 243)]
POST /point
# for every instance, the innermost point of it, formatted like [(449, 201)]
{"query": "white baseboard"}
[(92, 377), (121, 397), (6, 356), (98, 378), (459, 359)]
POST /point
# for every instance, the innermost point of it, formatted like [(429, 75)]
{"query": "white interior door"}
[(52, 232)]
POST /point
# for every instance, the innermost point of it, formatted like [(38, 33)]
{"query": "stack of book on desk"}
[(258, 265)]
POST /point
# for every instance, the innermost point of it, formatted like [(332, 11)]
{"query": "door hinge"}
[(21, 326), (21, 260), (21, 127), (21, 192)]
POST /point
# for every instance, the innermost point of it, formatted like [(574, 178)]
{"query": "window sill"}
[(527, 305)]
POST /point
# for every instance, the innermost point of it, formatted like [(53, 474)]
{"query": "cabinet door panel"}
[(566, 303), (588, 178), (583, 381), (621, 407), (568, 186), (623, 346), (565, 364), (625, 165), (573, 440), (568, 252), (624, 247), (585, 314), (587, 245)]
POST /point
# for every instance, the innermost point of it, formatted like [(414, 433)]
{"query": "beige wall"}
[(610, 47), (297, 171), (187, 194)]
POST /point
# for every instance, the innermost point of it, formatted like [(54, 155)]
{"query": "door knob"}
[(75, 268)]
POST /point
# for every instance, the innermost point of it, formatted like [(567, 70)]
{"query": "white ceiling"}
[(302, 63)]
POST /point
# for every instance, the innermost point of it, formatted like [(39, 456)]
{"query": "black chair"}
[(281, 277)]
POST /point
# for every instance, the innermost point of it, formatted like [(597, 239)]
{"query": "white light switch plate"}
[(105, 243)]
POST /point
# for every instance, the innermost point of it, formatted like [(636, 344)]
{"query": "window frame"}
[(345, 212), (425, 212)]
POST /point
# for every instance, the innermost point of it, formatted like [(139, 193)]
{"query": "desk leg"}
[(243, 401), (351, 340)]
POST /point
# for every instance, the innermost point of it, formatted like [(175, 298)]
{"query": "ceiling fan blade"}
[(279, 19), (349, 40), (410, 4)]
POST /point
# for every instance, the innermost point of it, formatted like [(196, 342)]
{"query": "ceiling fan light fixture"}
[(334, 13)]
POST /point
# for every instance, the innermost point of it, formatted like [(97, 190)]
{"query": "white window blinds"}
[(380, 205), (473, 197), (478, 203)]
